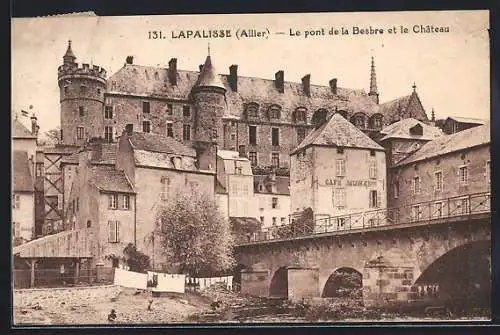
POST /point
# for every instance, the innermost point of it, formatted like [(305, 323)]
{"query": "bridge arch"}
[(342, 283), (278, 287), (462, 275)]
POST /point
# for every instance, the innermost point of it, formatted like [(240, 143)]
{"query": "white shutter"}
[(379, 199), (111, 231), (117, 230), (60, 201)]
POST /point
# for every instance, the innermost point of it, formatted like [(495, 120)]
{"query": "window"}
[(283, 221), (438, 209), (186, 132), (439, 181), (373, 199), (66, 89), (488, 172), (112, 201), (214, 133), (79, 133), (274, 221), (17, 229), (170, 110), (274, 203), (339, 197), (165, 181), (108, 112), (77, 204), (301, 115), (396, 189), (463, 175), (146, 126), (377, 122), (252, 156), (359, 121), (108, 133), (238, 170), (114, 231), (145, 107), (39, 169), (98, 91), (233, 136), (373, 170), (186, 111), (253, 110), (126, 202), (16, 201), (301, 134), (262, 220), (372, 153), (340, 167), (275, 113), (416, 185), (275, 136), (81, 111), (170, 129), (252, 135), (275, 159), (416, 213)]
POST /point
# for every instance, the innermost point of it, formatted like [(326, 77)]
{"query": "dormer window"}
[(359, 121), (416, 129), (275, 112), (301, 115), (252, 109), (376, 122), (177, 162)]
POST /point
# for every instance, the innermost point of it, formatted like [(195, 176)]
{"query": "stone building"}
[(272, 195), (337, 170), (444, 177), (266, 118)]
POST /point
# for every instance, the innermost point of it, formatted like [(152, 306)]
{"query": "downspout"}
[(135, 220)]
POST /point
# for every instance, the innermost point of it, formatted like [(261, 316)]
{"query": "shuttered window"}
[(340, 167), (114, 231)]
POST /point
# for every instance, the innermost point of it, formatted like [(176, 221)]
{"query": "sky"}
[(451, 70)]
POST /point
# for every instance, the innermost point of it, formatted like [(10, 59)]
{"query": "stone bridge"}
[(396, 259)]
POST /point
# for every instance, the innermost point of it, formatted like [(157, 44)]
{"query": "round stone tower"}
[(82, 100), (209, 105)]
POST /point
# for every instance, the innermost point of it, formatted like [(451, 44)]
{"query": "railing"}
[(428, 211)]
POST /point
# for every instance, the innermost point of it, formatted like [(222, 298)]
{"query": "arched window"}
[(301, 115), (252, 109), (319, 117), (376, 121), (274, 112), (359, 120)]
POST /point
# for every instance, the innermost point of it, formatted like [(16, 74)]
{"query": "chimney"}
[(233, 77), (34, 126), (200, 67), (306, 84), (130, 60), (129, 129), (172, 71), (242, 151), (333, 85), (280, 81)]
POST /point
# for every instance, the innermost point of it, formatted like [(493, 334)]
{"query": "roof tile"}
[(22, 181), (107, 178)]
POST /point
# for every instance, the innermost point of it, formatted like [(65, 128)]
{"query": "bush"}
[(136, 260)]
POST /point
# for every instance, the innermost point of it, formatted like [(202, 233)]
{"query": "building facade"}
[(272, 196), (444, 176), (265, 118), (337, 170)]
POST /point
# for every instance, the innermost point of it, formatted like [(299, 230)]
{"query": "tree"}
[(136, 260), (194, 235), (52, 136)]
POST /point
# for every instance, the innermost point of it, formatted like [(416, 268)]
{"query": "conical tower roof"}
[(209, 76), (69, 52)]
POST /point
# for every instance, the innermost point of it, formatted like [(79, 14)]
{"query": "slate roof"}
[(450, 143), (22, 181), (401, 129), (338, 132), (108, 155), (20, 131), (466, 120), (282, 184), (161, 144), (107, 178), (150, 81), (208, 76)]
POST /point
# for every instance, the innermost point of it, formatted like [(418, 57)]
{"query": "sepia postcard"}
[(251, 168)]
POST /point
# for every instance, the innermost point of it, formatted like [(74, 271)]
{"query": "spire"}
[(373, 82), (433, 116), (208, 76), (414, 86), (69, 56)]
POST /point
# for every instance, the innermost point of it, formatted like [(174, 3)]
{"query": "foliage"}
[(348, 284), (136, 260), (302, 224), (52, 136), (194, 234)]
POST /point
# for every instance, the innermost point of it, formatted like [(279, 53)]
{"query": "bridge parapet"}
[(429, 212), (67, 244)]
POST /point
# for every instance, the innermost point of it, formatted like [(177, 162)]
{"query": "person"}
[(112, 316), (61, 272)]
